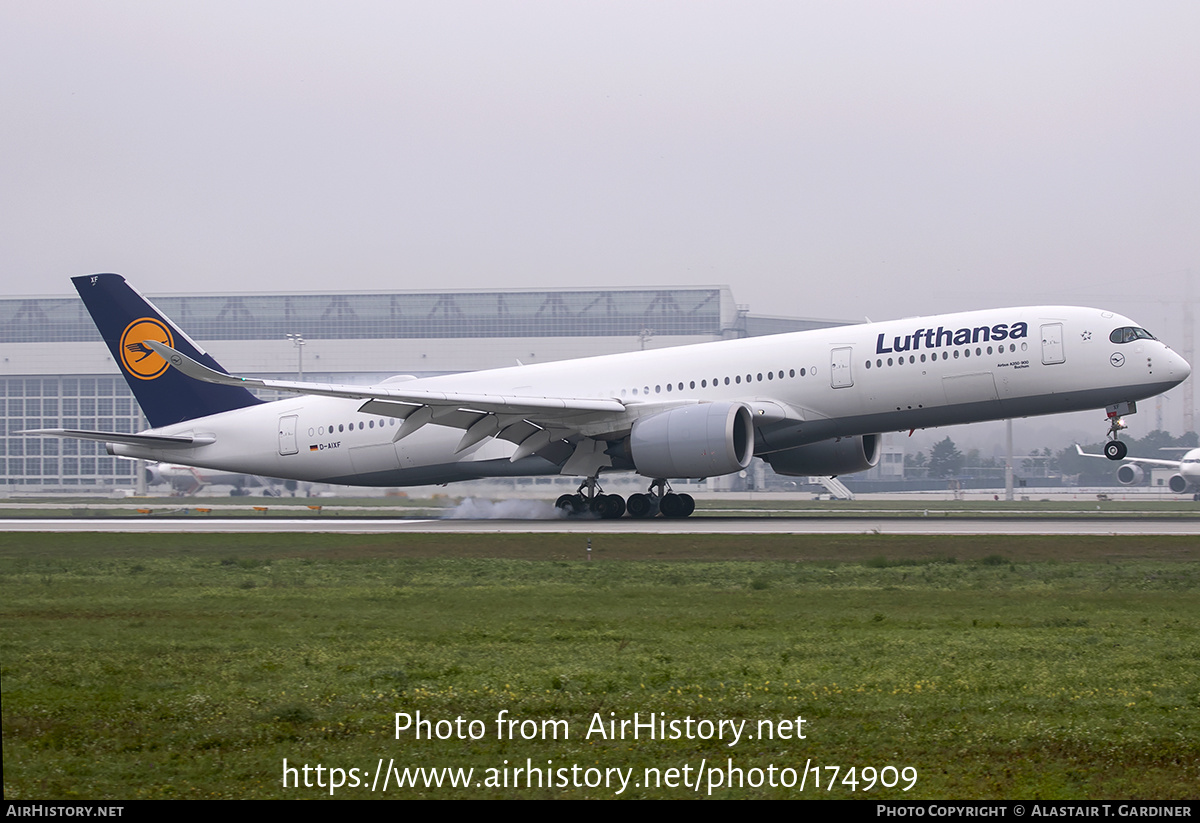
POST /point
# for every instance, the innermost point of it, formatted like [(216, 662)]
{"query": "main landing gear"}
[(1114, 449), (590, 499)]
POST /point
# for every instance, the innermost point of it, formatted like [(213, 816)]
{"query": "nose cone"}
[(1177, 367)]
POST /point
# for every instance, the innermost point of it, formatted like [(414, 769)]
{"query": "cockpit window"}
[(1128, 334)]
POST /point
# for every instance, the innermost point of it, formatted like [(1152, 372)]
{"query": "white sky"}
[(824, 159)]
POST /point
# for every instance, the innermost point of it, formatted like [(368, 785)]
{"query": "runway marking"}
[(697, 525)]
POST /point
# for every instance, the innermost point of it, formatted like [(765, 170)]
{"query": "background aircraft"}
[(1187, 470), (187, 480)]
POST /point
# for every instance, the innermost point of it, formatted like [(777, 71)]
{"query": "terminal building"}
[(55, 371)]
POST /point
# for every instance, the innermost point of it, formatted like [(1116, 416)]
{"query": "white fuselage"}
[(802, 388), (1189, 468)]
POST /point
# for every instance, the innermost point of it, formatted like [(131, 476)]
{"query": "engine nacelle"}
[(844, 455), (704, 440), (1130, 474), (1178, 483)]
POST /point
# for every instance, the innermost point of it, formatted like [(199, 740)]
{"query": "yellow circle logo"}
[(139, 359)]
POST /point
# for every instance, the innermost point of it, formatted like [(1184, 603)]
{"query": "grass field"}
[(192, 666)]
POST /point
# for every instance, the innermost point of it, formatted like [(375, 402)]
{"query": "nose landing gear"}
[(1114, 449)]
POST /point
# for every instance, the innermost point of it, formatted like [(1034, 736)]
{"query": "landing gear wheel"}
[(1115, 450), (570, 504), (677, 505), (639, 505), (612, 506)]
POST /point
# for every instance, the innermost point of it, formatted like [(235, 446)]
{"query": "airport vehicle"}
[(1187, 470), (808, 403)]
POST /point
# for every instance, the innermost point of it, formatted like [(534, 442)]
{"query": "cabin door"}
[(287, 434), (840, 376), (1052, 344)]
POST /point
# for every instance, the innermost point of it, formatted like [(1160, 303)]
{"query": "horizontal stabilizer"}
[(158, 441)]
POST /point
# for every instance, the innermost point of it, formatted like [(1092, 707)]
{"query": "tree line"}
[(945, 460)]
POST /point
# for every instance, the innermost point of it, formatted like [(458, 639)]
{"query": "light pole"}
[(298, 341)]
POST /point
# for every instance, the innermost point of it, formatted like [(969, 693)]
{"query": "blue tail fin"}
[(125, 319)]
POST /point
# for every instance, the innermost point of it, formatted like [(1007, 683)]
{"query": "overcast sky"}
[(824, 159)]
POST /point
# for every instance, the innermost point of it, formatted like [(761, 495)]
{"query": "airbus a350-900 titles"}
[(808, 403)]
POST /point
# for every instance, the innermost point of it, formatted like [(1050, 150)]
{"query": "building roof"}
[(708, 311)]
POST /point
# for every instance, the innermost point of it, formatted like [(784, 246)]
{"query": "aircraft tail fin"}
[(125, 320)]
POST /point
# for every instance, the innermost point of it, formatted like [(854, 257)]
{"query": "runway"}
[(935, 524)]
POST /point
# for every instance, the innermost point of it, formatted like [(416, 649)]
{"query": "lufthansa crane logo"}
[(139, 359)]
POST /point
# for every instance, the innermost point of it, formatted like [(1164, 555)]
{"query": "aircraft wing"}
[(553, 427), (549, 426), (1151, 461), (491, 403)]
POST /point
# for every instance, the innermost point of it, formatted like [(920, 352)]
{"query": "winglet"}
[(195, 369)]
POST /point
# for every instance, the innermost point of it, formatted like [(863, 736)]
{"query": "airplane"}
[(188, 480), (1187, 470), (808, 403)]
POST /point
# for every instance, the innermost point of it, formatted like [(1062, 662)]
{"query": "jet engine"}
[(1130, 474), (703, 440), (843, 455), (1178, 483)]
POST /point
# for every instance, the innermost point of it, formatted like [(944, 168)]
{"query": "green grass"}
[(191, 666)]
